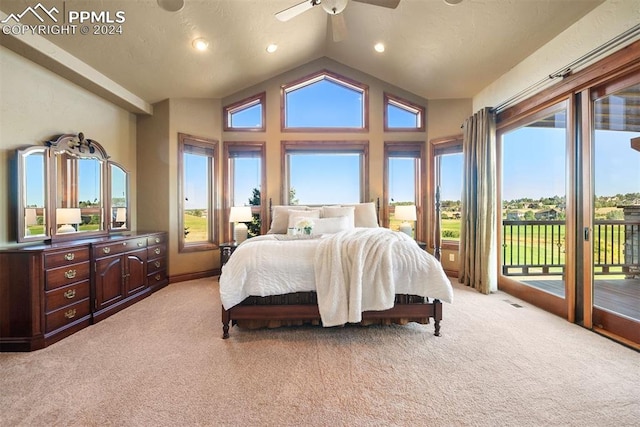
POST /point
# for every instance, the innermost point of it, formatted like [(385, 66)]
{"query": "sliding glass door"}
[(534, 208), (613, 291)]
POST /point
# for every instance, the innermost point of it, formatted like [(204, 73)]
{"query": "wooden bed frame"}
[(303, 307)]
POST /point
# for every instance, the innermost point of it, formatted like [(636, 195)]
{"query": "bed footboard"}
[(310, 312)]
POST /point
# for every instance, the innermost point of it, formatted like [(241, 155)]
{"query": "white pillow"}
[(280, 218), (338, 211), (297, 216), (365, 215), (331, 225)]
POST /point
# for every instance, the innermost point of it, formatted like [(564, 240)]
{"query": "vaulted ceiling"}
[(433, 49)]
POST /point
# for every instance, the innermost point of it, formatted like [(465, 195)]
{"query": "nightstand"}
[(423, 245), (226, 250)]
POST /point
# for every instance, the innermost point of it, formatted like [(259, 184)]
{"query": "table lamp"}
[(239, 215), (406, 213), (65, 217)]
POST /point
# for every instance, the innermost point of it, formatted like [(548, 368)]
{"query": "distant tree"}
[(615, 214), (255, 225), (293, 200), (529, 216)]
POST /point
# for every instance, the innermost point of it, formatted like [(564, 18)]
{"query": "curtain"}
[(478, 246)]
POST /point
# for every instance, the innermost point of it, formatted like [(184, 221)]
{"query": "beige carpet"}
[(163, 362)]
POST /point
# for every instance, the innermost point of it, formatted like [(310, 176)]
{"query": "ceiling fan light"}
[(200, 44), (171, 5), (334, 7), (379, 47)]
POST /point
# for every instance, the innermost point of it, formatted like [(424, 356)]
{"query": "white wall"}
[(604, 23)]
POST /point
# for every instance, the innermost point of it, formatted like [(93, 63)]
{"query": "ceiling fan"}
[(334, 9)]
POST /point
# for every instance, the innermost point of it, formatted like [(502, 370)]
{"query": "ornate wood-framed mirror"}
[(119, 209), (69, 189), (33, 194)]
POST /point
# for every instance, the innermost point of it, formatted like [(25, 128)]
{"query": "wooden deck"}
[(619, 296)]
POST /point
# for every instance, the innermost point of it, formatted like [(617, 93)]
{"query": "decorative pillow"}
[(280, 218), (365, 215), (338, 211), (332, 225), (297, 216)]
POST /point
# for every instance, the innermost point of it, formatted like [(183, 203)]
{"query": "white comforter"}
[(351, 271)]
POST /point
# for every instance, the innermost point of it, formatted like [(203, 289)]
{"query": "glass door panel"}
[(616, 211), (534, 203)]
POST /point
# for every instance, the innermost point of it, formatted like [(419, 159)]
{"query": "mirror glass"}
[(119, 198), (79, 184), (32, 221)]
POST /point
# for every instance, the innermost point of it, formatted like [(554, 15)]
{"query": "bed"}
[(347, 270)]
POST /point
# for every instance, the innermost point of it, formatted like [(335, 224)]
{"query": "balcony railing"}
[(537, 248)]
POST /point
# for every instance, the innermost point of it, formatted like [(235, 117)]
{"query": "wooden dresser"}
[(49, 291)]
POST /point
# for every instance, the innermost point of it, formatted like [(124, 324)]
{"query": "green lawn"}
[(197, 227)]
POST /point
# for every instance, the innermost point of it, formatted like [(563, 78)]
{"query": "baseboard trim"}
[(451, 273), (191, 276)]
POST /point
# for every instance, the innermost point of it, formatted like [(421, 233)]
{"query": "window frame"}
[(228, 110), (415, 149), (209, 146), (314, 78), (404, 104), (437, 147), (230, 147), (310, 147)]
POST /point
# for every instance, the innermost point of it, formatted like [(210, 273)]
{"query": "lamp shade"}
[(240, 214), (121, 214), (68, 216), (30, 217), (406, 213)]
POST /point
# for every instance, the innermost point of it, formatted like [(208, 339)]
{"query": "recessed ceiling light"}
[(452, 2), (171, 5), (272, 48), (200, 44), (379, 47)]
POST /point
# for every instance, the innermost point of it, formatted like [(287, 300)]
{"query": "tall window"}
[(246, 115), (402, 115), (330, 172), (197, 222), (446, 177), (245, 182), (325, 101), (403, 182)]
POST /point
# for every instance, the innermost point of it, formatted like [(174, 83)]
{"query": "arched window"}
[(402, 115), (325, 101)]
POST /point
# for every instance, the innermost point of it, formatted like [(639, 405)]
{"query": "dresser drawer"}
[(157, 277), (70, 256), (67, 295), (156, 239), (156, 251), (62, 276), (69, 314), (118, 247), (156, 264)]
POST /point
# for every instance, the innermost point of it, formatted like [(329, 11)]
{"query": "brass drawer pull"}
[(70, 294), (124, 243), (157, 240), (70, 274), (70, 314), (106, 250), (70, 256), (157, 251), (157, 264), (158, 277)]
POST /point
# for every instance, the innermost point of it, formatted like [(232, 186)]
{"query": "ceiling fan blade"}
[(293, 11), (338, 27), (391, 4)]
